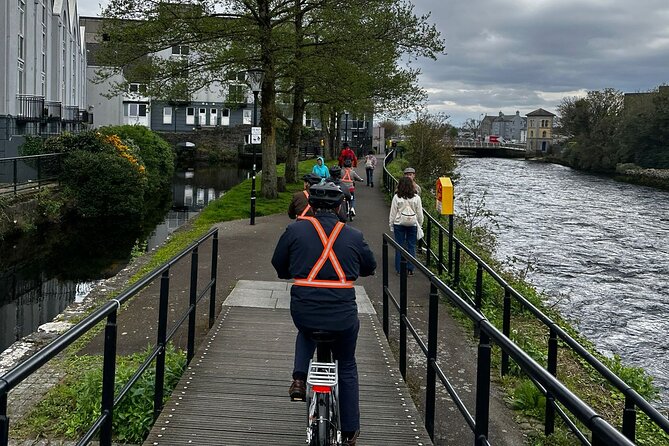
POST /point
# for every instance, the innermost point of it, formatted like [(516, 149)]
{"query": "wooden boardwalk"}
[(235, 392)]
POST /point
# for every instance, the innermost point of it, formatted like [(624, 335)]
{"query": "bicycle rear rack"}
[(322, 374)]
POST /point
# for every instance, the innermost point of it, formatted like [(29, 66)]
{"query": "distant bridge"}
[(479, 148)]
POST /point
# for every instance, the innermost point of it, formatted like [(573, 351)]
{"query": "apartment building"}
[(43, 83)]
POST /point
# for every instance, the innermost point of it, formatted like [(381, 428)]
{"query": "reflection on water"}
[(43, 273)]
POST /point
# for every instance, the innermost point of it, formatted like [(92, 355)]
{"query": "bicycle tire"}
[(322, 426)]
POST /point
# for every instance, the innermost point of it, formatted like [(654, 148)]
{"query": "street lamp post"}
[(254, 78), (345, 128)]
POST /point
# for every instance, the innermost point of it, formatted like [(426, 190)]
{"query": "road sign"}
[(255, 135)]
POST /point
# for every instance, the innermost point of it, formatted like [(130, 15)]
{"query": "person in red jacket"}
[(347, 153)]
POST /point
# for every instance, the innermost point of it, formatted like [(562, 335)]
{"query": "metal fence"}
[(448, 256), (23, 173), (102, 427)]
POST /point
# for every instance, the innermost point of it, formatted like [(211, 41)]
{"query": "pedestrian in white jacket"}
[(406, 214)]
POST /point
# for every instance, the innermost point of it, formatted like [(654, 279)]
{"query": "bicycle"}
[(323, 423)]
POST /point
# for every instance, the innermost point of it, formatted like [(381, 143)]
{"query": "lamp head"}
[(254, 78)]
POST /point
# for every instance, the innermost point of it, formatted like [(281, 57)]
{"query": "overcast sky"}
[(526, 54)]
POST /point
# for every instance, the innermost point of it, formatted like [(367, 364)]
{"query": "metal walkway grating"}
[(235, 392)]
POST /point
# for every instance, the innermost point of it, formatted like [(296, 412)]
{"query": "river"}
[(41, 274), (598, 248)]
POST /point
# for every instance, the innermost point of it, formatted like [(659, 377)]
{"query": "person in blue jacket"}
[(322, 296), (320, 168)]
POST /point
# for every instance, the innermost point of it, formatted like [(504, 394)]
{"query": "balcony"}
[(70, 113), (30, 108), (53, 110)]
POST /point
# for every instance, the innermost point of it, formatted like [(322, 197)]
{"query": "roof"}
[(540, 112)]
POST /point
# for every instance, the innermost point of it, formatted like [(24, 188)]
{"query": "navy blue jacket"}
[(296, 253)]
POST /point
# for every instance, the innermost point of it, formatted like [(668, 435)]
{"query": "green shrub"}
[(75, 402), (155, 152), (103, 184), (529, 400)]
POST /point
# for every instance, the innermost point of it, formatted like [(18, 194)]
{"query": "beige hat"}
[(409, 170)]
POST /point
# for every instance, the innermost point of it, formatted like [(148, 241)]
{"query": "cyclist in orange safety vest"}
[(325, 257), (299, 205), (348, 178)]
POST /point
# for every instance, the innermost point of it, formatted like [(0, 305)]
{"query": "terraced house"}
[(42, 82)]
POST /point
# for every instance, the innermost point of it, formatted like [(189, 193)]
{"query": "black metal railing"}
[(602, 432), (30, 108), (21, 173), (53, 110), (103, 425), (70, 113), (454, 251)]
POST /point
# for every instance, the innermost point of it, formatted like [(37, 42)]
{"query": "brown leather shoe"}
[(298, 390), (350, 440)]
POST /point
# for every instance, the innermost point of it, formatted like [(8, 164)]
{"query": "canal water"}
[(42, 274), (598, 249)]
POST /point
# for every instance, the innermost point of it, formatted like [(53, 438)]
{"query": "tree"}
[(428, 149), (340, 54), (390, 128), (592, 123), (472, 126)]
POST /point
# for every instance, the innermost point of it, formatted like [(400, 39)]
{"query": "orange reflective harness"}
[(307, 209), (346, 178), (328, 253)]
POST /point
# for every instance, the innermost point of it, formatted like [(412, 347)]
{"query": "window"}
[(190, 116), (22, 27), (138, 88), (167, 115), (236, 94), (134, 110), (531, 133), (180, 50), (543, 135)]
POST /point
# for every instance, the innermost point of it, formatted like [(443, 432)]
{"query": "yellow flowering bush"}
[(126, 150)]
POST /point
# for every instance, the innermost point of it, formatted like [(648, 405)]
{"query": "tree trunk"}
[(268, 110), (295, 130)]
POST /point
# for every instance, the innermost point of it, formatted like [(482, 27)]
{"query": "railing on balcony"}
[(70, 113), (30, 108), (53, 110)]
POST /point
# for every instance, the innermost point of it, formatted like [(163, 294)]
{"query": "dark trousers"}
[(406, 237), (343, 351), (370, 176)]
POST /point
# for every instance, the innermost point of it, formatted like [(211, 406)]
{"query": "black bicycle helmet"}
[(335, 171), (312, 178), (348, 162), (325, 196)]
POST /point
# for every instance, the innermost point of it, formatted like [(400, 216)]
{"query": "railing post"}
[(440, 265), (506, 329), (482, 389), (39, 172), (160, 343), (629, 419), (450, 243), (385, 267), (403, 313), (456, 272), (16, 176), (478, 294), (428, 242), (190, 352), (108, 378), (4, 419), (214, 273), (549, 424), (479, 287), (430, 387)]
